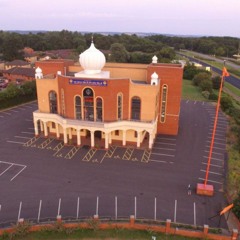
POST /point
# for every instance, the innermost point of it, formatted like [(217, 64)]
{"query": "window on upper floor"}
[(78, 108), (136, 108), (119, 106), (53, 102), (163, 103)]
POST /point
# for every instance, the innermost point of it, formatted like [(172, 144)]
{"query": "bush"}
[(206, 94), (236, 207), (198, 78), (213, 96), (216, 82), (226, 104), (206, 85)]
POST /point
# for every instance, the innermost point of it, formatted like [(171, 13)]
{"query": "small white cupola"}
[(38, 73), (154, 59), (154, 79)]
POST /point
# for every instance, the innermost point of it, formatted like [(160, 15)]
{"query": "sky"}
[(178, 17)]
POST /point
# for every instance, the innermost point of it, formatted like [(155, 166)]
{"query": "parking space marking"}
[(128, 153), (58, 148), (12, 164), (11, 110), (1, 116), (109, 152), (45, 143), (218, 139), (6, 170), (216, 159), (162, 154), (30, 142), (213, 165), (170, 139), (15, 142), (207, 151), (22, 137), (159, 161), (27, 132), (29, 120), (9, 114), (72, 152), (167, 149), (18, 173), (219, 148), (89, 155), (146, 156), (203, 179), (215, 173), (170, 144)]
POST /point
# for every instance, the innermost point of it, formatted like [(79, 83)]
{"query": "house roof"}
[(17, 63), (28, 72)]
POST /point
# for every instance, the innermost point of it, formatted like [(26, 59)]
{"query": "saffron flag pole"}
[(205, 189)]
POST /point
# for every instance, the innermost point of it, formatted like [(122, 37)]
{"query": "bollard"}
[(20, 220), (168, 225), (132, 220), (96, 217), (234, 234), (59, 218), (205, 229)]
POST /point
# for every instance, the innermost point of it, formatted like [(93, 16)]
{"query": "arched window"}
[(136, 108), (78, 108), (164, 103), (119, 106), (88, 104), (63, 102), (53, 102), (99, 107)]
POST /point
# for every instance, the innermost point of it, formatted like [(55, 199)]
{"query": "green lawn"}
[(191, 92)]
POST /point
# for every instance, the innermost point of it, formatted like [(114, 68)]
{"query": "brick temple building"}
[(111, 102)]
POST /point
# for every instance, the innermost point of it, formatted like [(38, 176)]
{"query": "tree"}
[(226, 103), (189, 71), (118, 53), (206, 85)]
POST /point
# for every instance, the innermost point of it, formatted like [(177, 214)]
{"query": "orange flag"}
[(225, 72), (226, 209)]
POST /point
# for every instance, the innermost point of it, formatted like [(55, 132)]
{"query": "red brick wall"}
[(171, 75), (108, 94)]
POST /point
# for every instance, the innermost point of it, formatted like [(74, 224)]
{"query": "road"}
[(231, 79)]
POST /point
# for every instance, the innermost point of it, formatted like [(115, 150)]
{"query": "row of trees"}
[(14, 95), (142, 47)]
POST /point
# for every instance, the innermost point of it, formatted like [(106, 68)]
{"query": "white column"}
[(110, 138), (45, 129), (150, 140), (57, 130), (65, 139), (78, 137), (92, 139), (36, 128), (41, 126), (124, 138), (138, 139), (106, 140), (70, 133)]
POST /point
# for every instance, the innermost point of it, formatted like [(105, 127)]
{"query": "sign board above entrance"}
[(100, 83)]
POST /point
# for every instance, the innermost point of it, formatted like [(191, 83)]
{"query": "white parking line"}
[(219, 129), (6, 169), (216, 159), (170, 139), (215, 173), (171, 144), (167, 149), (1, 116), (162, 154), (22, 137), (213, 165), (210, 181), (219, 148), (219, 139), (28, 132), (159, 161), (27, 106), (214, 153), (11, 110), (29, 120), (15, 142), (6, 113), (18, 173)]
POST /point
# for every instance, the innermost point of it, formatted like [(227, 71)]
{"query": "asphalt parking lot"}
[(41, 178)]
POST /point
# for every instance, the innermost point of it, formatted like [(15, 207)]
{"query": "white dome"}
[(38, 70), (154, 76), (92, 60), (154, 59)]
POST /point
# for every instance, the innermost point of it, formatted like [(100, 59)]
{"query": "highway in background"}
[(231, 79)]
